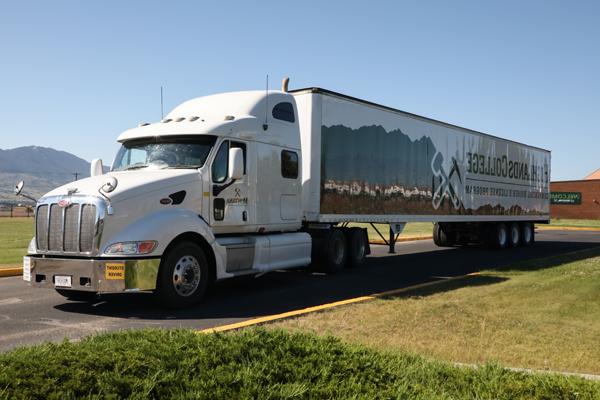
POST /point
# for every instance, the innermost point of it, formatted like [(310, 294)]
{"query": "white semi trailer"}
[(247, 182)]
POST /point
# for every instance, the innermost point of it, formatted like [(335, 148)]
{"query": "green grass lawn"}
[(15, 234), (412, 229), (256, 364), (542, 314)]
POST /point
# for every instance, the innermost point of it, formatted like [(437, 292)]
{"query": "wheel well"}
[(198, 239)]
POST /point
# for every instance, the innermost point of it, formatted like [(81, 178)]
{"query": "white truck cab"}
[(210, 192)]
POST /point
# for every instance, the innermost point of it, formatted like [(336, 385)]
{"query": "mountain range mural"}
[(371, 171)]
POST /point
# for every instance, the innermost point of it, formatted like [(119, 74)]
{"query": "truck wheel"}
[(527, 234), (77, 295), (183, 276), (335, 255), (358, 246), (499, 236), (441, 238), (515, 234)]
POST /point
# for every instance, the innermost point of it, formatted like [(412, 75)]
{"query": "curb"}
[(308, 310), (565, 228), (4, 272)]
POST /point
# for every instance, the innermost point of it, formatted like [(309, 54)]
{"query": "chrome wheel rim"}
[(527, 234), (502, 237), (338, 256), (360, 250), (515, 235), (186, 276)]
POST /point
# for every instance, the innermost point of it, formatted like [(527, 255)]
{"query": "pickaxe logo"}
[(445, 187)]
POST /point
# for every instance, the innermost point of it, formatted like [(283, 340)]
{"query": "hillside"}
[(41, 168)]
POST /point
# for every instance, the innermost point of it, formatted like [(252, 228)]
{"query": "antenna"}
[(265, 125), (161, 103)]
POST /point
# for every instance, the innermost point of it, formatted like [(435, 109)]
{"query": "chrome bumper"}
[(95, 275)]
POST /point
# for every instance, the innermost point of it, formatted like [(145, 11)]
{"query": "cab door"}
[(229, 197)]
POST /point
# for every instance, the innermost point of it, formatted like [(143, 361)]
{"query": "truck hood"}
[(130, 183)]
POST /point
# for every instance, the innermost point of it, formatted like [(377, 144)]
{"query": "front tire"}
[(183, 276)]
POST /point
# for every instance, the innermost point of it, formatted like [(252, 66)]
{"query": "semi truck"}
[(248, 182)]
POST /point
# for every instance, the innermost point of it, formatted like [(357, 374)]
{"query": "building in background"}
[(576, 199)]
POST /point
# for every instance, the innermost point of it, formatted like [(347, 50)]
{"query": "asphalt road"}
[(36, 315)]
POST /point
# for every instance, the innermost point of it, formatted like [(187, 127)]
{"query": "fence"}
[(16, 211)]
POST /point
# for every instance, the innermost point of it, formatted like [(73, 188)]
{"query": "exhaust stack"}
[(284, 84)]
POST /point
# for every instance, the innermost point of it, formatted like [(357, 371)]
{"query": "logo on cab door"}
[(237, 199)]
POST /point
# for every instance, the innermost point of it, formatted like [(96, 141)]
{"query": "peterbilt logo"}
[(64, 203)]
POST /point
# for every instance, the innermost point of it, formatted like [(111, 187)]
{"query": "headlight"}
[(31, 248), (132, 248)]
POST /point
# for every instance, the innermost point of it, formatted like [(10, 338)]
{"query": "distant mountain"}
[(41, 168)]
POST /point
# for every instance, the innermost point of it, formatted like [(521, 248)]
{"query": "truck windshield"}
[(162, 152)]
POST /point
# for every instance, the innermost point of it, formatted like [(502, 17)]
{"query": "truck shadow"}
[(283, 291)]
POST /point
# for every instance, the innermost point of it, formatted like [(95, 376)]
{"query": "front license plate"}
[(27, 269), (62, 281)]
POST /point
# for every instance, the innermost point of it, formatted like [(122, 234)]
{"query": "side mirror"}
[(19, 188), (19, 191), (236, 163), (96, 167)]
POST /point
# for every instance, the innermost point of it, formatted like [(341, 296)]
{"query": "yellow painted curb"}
[(294, 313), (10, 272), (565, 228)]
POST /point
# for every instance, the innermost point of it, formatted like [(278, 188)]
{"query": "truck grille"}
[(70, 229)]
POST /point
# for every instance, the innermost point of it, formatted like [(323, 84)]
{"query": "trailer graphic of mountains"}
[(371, 171)]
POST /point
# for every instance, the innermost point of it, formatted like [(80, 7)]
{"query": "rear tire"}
[(441, 237), (183, 276), (332, 252), (514, 234), (77, 295), (358, 246), (498, 236), (527, 234)]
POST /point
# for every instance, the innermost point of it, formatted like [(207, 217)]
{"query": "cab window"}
[(289, 164), (219, 167)]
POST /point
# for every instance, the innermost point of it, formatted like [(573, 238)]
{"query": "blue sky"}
[(73, 75)]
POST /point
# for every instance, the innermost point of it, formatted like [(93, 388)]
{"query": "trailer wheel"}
[(527, 234), (515, 234), (498, 236), (441, 237), (183, 276), (77, 295), (334, 257), (358, 246)]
